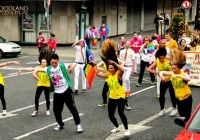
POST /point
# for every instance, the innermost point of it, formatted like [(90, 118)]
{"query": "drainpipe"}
[(117, 16)]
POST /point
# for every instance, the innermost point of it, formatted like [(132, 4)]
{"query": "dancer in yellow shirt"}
[(179, 81), (2, 85), (42, 85), (115, 83)]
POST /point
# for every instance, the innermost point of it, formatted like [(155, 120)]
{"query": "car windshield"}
[(3, 40), (194, 125)]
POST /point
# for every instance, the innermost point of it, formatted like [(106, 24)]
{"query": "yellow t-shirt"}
[(43, 79), (172, 44), (165, 66), (117, 91), (1, 79), (182, 90)]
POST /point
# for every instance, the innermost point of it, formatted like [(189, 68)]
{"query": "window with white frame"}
[(42, 20), (28, 22)]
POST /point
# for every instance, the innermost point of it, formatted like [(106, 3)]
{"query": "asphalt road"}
[(144, 123)]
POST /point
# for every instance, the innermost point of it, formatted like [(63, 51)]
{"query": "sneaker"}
[(35, 113), (84, 91), (116, 129), (138, 85), (128, 107), (158, 96), (127, 133), (48, 113), (162, 112), (128, 94), (153, 83), (4, 112), (102, 105), (57, 128), (79, 128), (173, 113), (75, 91)]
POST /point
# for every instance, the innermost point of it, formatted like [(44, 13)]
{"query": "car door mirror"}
[(180, 121)]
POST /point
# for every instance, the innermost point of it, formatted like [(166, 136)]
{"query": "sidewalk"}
[(68, 51)]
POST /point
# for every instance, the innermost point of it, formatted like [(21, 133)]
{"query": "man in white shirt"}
[(80, 60), (61, 86), (128, 56)]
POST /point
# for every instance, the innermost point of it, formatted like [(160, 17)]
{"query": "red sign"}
[(48, 3), (186, 5)]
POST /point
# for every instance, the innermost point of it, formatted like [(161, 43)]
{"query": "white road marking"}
[(135, 128), (13, 74), (27, 134), (134, 93), (17, 74), (132, 128), (27, 107), (13, 58), (7, 115), (34, 62)]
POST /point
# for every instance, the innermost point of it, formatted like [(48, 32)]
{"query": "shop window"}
[(43, 22), (28, 22)]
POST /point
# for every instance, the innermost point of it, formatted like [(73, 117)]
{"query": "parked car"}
[(8, 48), (191, 130)]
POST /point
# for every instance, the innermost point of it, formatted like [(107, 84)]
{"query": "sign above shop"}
[(13, 10)]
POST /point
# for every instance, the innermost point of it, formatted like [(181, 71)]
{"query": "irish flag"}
[(89, 69)]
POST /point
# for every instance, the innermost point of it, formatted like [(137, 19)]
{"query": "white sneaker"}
[(116, 129), (128, 107), (173, 113), (127, 133), (4, 112), (162, 112), (57, 128), (35, 113), (48, 113), (79, 128)]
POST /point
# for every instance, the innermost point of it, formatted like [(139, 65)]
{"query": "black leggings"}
[(185, 107), (163, 88), (112, 105), (104, 92), (2, 96), (142, 69), (38, 93)]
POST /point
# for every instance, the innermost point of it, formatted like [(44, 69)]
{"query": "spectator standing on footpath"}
[(166, 22), (95, 37), (88, 36), (103, 30), (40, 41), (136, 44), (61, 85), (52, 42)]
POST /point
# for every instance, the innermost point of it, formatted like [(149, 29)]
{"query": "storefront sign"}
[(193, 67), (13, 10)]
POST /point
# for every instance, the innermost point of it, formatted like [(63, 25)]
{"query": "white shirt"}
[(146, 57), (129, 57), (79, 58), (58, 80)]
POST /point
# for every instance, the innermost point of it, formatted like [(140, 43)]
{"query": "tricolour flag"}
[(89, 68)]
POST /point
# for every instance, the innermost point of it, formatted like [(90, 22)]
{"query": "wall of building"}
[(9, 28), (110, 12), (64, 21)]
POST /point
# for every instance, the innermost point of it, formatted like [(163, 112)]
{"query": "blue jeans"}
[(102, 39)]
